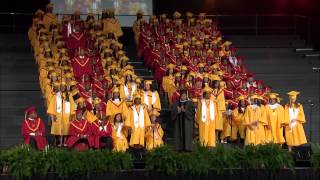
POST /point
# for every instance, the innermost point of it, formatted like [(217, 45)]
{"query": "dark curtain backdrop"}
[(310, 8)]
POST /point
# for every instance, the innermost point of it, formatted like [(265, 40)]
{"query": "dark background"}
[(308, 8)]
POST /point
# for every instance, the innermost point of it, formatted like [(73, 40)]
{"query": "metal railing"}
[(254, 24)]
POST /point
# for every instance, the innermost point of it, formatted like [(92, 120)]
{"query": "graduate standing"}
[(183, 114), (275, 120), (238, 119), (207, 114), (294, 118), (111, 24), (151, 97), (139, 121), (49, 18), (117, 105), (254, 122), (60, 109), (155, 133)]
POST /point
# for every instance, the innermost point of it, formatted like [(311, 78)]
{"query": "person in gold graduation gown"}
[(60, 108), (275, 120), (116, 105), (294, 118), (254, 122), (127, 87), (111, 24), (238, 120), (218, 95), (151, 97), (207, 114), (139, 121), (49, 18), (168, 80), (137, 27), (155, 133), (119, 134)]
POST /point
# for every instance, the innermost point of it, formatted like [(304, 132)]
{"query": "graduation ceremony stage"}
[(277, 43)]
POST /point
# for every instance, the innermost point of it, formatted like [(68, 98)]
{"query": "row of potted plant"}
[(23, 161)]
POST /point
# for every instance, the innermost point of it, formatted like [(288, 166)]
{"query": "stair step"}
[(304, 49), (143, 72), (146, 77), (312, 55), (135, 62), (138, 66)]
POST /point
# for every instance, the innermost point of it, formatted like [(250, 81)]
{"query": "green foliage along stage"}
[(315, 158), (23, 161), (202, 160)]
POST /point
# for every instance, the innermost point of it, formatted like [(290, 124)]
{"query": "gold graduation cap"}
[(176, 14), (241, 98), (200, 65), (171, 66), (192, 73), (189, 14), (154, 112), (73, 82), (215, 77), (96, 101), (202, 15), (207, 89), (163, 16), (50, 5), (227, 43), (138, 80), (148, 82), (293, 94), (273, 95), (184, 68), (56, 83), (136, 95), (115, 89)]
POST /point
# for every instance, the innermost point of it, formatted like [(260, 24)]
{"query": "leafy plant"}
[(121, 160), (315, 157), (203, 159), (26, 162), (162, 159), (273, 157), (196, 162), (22, 162), (4, 154)]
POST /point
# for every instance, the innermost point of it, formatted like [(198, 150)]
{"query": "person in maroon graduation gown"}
[(82, 66), (76, 39), (79, 133), (33, 129), (101, 131)]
